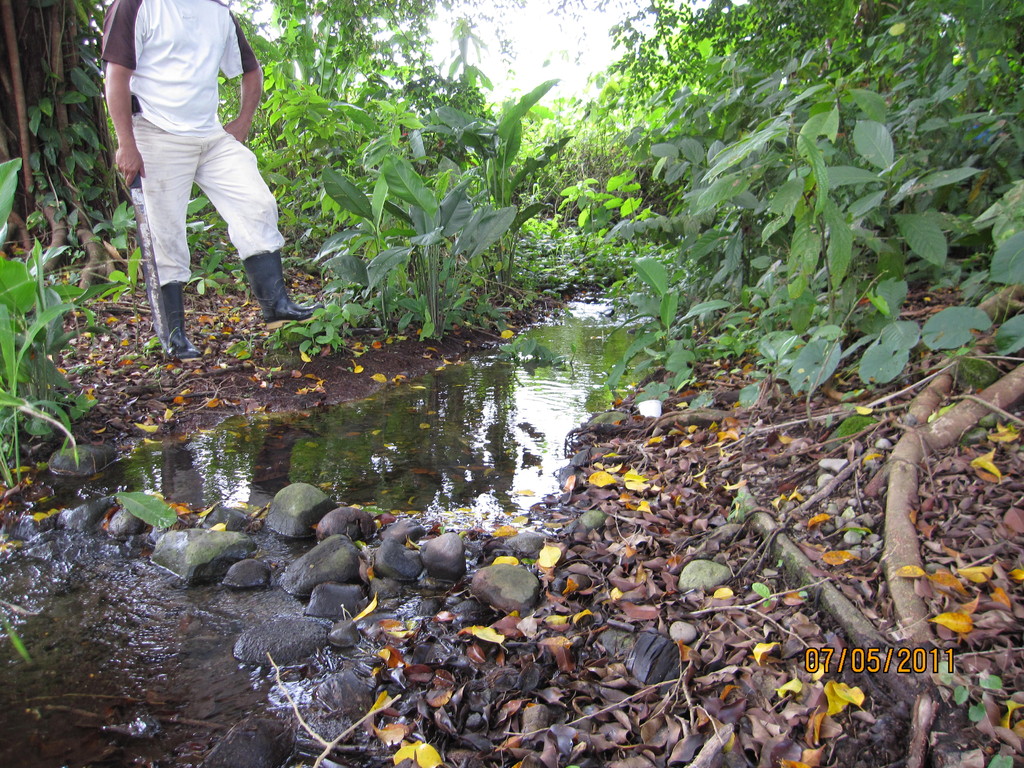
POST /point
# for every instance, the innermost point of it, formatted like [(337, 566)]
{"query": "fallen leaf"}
[(841, 695), (380, 377), (424, 755), (986, 464), (761, 651), (911, 572), (505, 530), (1000, 596), (392, 734), (978, 574), (487, 634), (818, 519), (863, 410), (839, 557), (601, 479), (505, 560), (549, 556), (147, 427), (507, 334), (367, 610), (960, 623), (794, 686), (723, 593)]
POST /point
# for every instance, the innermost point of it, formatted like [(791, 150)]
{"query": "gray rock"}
[(654, 659), (853, 538), (525, 544), (883, 444), (344, 634), (592, 520), (445, 557), (835, 466), (470, 612), (506, 588), (247, 574), (617, 641), (385, 589), (233, 518), (682, 632), (345, 693), (332, 600), (333, 559), (584, 457), (255, 743), (353, 522), (124, 524), (89, 460), (296, 510), (404, 529), (198, 555), (288, 641), (88, 516), (393, 560), (536, 717), (824, 479), (703, 574)]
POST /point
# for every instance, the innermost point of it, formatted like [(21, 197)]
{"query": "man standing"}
[(162, 59)]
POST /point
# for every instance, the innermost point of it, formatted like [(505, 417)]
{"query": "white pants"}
[(226, 171)]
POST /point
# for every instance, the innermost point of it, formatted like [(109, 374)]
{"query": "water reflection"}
[(479, 439)]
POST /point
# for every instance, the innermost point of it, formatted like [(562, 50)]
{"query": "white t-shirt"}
[(176, 48)]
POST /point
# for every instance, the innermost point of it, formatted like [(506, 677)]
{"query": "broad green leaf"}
[(844, 175), (1010, 336), (706, 307), (808, 148), (871, 103), (816, 362), (665, 150), (1008, 261), (862, 207), (148, 508), (882, 362), (17, 287), (484, 230), (873, 142), (892, 293), (924, 236), (822, 124), (944, 178), (840, 243), (8, 186), (383, 264), (346, 194), (722, 190), (741, 150), (951, 328), (349, 268), (786, 197), (408, 185), (653, 272)]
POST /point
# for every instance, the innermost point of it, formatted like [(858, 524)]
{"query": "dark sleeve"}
[(119, 33), (249, 62)]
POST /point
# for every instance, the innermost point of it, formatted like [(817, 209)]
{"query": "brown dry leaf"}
[(1000, 596), (392, 734), (818, 520), (947, 579)]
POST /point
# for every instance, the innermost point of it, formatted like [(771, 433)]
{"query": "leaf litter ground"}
[(620, 667)]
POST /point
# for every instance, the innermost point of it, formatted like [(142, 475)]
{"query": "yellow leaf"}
[(367, 610), (978, 574), (424, 425), (985, 464), (960, 623), (601, 479), (947, 579), (863, 410), (615, 594), (424, 755), (897, 29), (392, 734), (655, 440), (487, 634), (1010, 707), (168, 414), (506, 560), (556, 621), (219, 527), (526, 492), (147, 427), (841, 695), (839, 557), (1017, 574), (794, 686), (582, 615), (505, 530), (549, 556), (305, 358), (1000, 596), (1004, 434), (723, 593), (382, 701), (761, 650), (358, 369), (785, 439), (818, 519), (507, 334), (911, 572), (869, 457), (380, 377)]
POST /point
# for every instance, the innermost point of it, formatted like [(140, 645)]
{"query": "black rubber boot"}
[(174, 312), (267, 283)]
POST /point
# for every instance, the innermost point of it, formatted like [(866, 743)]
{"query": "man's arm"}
[(251, 92), (119, 102)]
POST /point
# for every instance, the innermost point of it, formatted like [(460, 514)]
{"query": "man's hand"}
[(239, 128), (119, 102), (129, 163)]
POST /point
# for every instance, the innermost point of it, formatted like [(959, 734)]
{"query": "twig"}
[(712, 748), (828, 489), (348, 731), (924, 714), (295, 707), (911, 388), (994, 408)]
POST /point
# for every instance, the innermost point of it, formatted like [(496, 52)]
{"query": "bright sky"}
[(545, 48)]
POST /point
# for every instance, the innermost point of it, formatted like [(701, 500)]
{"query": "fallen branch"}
[(712, 748), (924, 714), (900, 548)]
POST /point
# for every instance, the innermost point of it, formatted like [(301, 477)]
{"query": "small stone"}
[(393, 560), (849, 513), (199, 555), (124, 525), (287, 641), (247, 574), (470, 612), (883, 444), (617, 641), (83, 461), (853, 538), (592, 520), (525, 544), (404, 530), (296, 510), (385, 589), (824, 479), (88, 516), (444, 557), (331, 600), (682, 632), (345, 693), (704, 575), (333, 559), (835, 465), (255, 743), (506, 588), (536, 717), (344, 634), (233, 518), (353, 522), (872, 538)]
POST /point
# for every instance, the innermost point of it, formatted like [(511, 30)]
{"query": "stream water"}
[(114, 639)]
